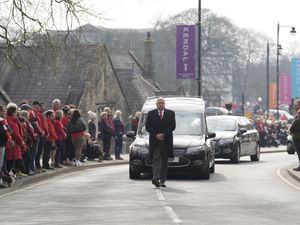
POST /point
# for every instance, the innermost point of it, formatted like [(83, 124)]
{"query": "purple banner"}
[(185, 51), (285, 89)]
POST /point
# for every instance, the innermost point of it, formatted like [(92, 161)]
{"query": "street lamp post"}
[(278, 47), (268, 76), (199, 49)]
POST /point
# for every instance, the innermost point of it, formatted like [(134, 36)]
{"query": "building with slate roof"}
[(88, 76)]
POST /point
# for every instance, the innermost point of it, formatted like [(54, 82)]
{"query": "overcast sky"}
[(260, 15)]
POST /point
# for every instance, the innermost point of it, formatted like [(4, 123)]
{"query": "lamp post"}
[(278, 47), (199, 49), (268, 75)]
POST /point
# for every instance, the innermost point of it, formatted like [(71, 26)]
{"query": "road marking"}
[(33, 185), (160, 195), (285, 180), (172, 214)]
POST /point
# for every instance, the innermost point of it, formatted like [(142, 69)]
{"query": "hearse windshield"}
[(187, 123)]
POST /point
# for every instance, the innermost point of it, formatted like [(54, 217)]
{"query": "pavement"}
[(25, 181), (294, 174)]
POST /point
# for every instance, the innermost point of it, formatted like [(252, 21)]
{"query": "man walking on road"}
[(160, 124)]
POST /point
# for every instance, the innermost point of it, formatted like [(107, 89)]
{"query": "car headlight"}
[(140, 149), (195, 149), (225, 141)]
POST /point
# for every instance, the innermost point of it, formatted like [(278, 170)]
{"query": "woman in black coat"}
[(106, 134)]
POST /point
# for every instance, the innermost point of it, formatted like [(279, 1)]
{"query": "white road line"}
[(168, 209), (159, 195), (285, 180), (32, 186), (172, 215)]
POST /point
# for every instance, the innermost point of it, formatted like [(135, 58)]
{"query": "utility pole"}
[(199, 49), (268, 75)]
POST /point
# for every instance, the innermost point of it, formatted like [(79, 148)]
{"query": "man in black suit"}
[(160, 124)]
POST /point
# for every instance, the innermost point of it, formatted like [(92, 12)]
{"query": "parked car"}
[(193, 152), (235, 137), (213, 111), (290, 146)]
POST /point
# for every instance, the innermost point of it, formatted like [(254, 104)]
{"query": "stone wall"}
[(102, 88)]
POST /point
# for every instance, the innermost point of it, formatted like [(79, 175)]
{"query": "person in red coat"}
[(50, 144), (30, 140), (61, 136), (5, 140), (41, 130), (68, 152), (14, 153)]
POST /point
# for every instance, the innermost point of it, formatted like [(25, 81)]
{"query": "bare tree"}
[(233, 59), (22, 21)]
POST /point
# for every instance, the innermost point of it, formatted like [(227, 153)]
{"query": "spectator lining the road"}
[(77, 128), (30, 139), (50, 144), (295, 131), (68, 152), (14, 152), (92, 125), (61, 136), (5, 139), (119, 131), (106, 133), (55, 105), (135, 122)]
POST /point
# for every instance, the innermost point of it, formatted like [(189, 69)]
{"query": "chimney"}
[(148, 57)]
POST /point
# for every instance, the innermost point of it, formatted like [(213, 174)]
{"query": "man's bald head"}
[(160, 103)]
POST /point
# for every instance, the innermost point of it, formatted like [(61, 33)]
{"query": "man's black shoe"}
[(156, 182), (163, 184), (297, 168), (48, 168)]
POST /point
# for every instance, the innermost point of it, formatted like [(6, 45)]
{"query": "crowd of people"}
[(34, 139), (271, 133)]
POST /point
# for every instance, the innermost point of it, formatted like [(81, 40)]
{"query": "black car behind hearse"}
[(235, 137), (193, 150)]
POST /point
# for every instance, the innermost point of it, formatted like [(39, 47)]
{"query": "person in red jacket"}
[(68, 152), (40, 129), (14, 153), (5, 140), (30, 140), (50, 145), (39, 132), (61, 136)]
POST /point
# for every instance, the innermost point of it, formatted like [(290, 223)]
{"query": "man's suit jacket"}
[(166, 126)]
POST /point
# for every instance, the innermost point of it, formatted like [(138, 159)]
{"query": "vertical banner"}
[(272, 96), (295, 80), (185, 51), (285, 89)]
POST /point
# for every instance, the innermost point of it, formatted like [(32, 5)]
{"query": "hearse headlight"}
[(225, 141), (195, 149), (140, 149)]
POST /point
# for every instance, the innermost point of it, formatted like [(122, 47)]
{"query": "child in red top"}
[(50, 144), (61, 136)]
